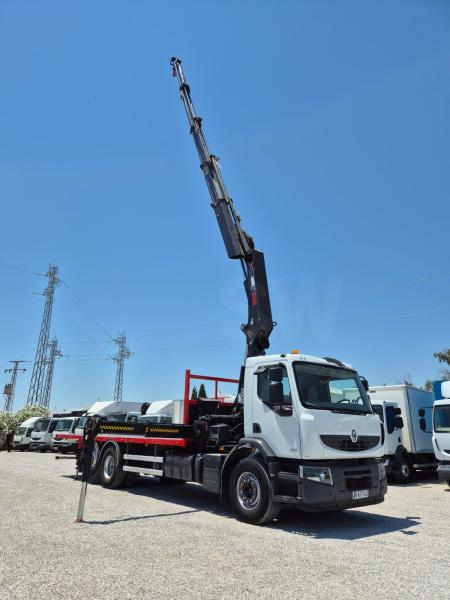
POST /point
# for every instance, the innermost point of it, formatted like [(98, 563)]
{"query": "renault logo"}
[(354, 436)]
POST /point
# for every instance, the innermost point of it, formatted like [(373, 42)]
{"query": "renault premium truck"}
[(441, 432), (300, 432), (406, 415)]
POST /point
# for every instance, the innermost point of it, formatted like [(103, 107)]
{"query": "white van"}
[(22, 435), (441, 432)]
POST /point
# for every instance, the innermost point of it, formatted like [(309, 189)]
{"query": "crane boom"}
[(238, 244)]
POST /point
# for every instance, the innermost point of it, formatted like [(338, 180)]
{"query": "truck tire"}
[(405, 472), (111, 473), (251, 493)]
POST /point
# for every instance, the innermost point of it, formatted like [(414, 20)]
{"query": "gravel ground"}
[(153, 541)]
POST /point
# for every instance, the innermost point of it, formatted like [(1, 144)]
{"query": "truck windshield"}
[(42, 425), (64, 425), (21, 430), (442, 419), (331, 388)]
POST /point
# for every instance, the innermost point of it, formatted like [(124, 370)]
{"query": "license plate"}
[(444, 467), (359, 494)]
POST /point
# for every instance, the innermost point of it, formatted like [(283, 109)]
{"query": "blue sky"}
[(331, 120)]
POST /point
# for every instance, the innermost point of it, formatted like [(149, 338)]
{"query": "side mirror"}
[(275, 393), (365, 383), (398, 423), (422, 424), (397, 411), (421, 412), (275, 374)]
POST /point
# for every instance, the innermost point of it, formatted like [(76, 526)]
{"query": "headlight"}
[(319, 474), (382, 470)]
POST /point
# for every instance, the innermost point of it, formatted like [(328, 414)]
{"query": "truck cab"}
[(22, 435), (61, 439), (414, 452), (441, 433), (42, 434), (314, 417), (395, 455)]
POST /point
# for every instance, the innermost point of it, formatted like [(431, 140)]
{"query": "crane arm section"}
[(238, 244)]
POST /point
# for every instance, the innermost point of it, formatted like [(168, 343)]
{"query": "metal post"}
[(89, 433)]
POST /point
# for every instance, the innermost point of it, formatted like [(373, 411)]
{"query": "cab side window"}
[(390, 419), (284, 408)]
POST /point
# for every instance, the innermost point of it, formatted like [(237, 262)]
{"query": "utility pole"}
[(119, 359), (40, 361), (53, 353), (10, 387)]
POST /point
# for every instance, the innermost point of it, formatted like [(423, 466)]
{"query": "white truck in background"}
[(60, 441), (22, 435), (42, 434), (441, 433), (406, 414)]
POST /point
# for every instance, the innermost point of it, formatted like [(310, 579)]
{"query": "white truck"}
[(22, 435), (406, 414), (65, 426), (300, 431), (441, 432), (41, 436)]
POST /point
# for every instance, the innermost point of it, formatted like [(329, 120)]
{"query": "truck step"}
[(142, 470), (144, 457), (286, 499)]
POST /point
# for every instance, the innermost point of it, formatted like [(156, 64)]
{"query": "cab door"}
[(277, 424)]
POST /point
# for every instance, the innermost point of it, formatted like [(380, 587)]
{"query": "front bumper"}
[(19, 446), (443, 471), (314, 496), (38, 445), (64, 444)]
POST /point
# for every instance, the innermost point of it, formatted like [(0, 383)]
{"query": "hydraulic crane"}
[(239, 245)]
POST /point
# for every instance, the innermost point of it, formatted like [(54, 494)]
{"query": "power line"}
[(68, 291), (92, 341), (22, 269)]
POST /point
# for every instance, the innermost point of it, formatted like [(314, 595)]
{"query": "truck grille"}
[(358, 480), (345, 444)]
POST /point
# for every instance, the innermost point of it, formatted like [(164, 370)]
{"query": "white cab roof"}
[(270, 358)]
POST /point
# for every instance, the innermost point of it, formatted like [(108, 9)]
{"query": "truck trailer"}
[(300, 431), (406, 415)]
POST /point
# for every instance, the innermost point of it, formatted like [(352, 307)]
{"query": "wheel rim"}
[(94, 456), (248, 490), (405, 470), (108, 467)]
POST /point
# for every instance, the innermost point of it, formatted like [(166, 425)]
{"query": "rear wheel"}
[(110, 469), (251, 493), (405, 471)]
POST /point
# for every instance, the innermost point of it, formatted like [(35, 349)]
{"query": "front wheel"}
[(405, 471), (251, 493)]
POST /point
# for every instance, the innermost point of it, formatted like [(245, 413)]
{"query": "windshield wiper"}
[(350, 411)]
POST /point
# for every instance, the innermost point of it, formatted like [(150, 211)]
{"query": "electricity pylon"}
[(119, 359), (40, 361), (10, 387), (53, 353)]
